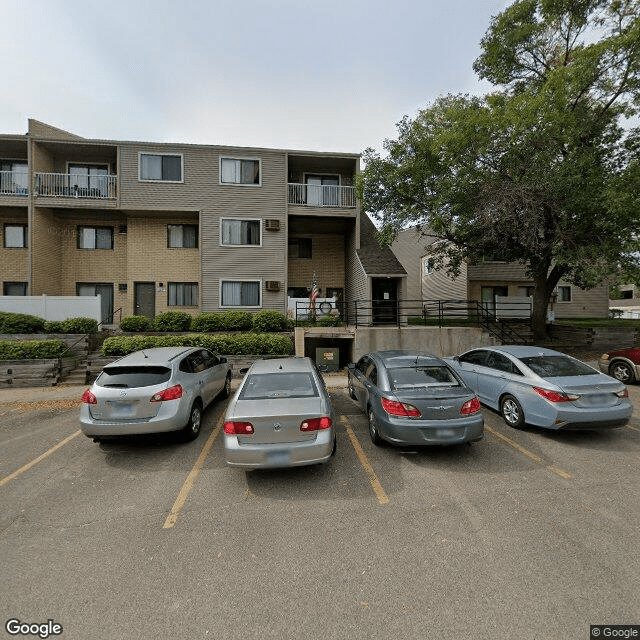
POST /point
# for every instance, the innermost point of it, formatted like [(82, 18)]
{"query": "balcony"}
[(72, 185), (14, 183), (316, 195)]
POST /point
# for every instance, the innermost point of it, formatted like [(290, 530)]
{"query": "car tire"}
[(622, 372), (512, 412), (373, 429), (226, 390), (192, 429)]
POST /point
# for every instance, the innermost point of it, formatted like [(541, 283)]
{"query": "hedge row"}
[(239, 344), (31, 349), (266, 321), (24, 323)]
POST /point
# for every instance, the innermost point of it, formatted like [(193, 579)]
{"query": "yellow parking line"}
[(172, 518), (28, 466), (529, 454), (371, 474)]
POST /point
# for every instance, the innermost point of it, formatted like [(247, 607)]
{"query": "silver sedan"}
[(280, 416), (544, 388)]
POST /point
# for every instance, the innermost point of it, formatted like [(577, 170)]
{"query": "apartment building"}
[(152, 227), (487, 282)]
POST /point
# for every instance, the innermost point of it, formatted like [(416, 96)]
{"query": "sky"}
[(329, 75)]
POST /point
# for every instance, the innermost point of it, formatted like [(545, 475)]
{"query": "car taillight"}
[(89, 398), (623, 394), (238, 428), (316, 424), (555, 396), (470, 406), (172, 393), (394, 408)]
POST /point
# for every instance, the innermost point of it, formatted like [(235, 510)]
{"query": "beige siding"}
[(14, 262), (47, 239)]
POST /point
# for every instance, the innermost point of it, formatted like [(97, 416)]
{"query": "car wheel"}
[(512, 412), (226, 390), (192, 428), (622, 371), (373, 429)]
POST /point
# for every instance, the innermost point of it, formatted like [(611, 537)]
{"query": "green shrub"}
[(268, 321), (53, 326), (20, 323), (207, 321), (135, 323), (31, 349), (240, 344), (330, 321), (172, 321), (79, 325), (236, 321)]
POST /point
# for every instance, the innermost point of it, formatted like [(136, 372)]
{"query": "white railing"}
[(14, 183), (325, 195), (68, 185)]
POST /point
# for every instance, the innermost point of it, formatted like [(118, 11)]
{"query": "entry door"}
[(384, 292), (145, 299), (322, 191)]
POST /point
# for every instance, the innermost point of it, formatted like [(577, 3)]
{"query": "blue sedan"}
[(544, 388)]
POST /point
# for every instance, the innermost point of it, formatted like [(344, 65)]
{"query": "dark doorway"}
[(384, 294), (145, 299)]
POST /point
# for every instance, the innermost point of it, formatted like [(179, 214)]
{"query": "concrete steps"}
[(87, 370)]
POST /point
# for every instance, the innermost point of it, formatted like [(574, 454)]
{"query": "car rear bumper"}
[(433, 432), (169, 418), (569, 419), (285, 454)]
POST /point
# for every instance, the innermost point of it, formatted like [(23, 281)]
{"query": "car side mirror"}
[(222, 360)]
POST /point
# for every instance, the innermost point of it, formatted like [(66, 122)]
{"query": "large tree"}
[(545, 170)]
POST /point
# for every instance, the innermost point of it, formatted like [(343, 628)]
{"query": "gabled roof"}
[(376, 260)]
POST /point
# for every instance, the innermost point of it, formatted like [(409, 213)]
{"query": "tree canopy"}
[(544, 170)]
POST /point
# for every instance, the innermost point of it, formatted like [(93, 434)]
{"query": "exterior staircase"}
[(87, 369)]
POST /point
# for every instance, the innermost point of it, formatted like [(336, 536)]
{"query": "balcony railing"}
[(14, 183), (325, 195), (65, 185)]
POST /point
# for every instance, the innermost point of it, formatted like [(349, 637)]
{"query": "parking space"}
[(159, 538)]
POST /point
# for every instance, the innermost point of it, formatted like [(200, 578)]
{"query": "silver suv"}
[(154, 390)]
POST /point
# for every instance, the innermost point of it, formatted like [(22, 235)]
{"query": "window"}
[(89, 180), (427, 265), (298, 292), (300, 248), (564, 294), (14, 289), (240, 171), (182, 236), (525, 291), (240, 232), (105, 291), (475, 357), (183, 294), (95, 237), (15, 236), (164, 168), (14, 178), (244, 293), (323, 191)]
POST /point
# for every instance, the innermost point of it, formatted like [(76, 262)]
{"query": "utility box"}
[(328, 356)]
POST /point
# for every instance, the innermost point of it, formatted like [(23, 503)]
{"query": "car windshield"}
[(557, 366), (409, 377), (131, 377), (264, 386)]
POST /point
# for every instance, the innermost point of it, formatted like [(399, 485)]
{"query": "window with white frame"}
[(182, 236), (160, 167), (240, 171), (240, 293), (564, 293), (182, 294), (15, 236), (427, 265), (235, 232), (95, 237)]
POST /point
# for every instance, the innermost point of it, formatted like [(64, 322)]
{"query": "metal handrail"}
[(322, 195), (67, 185), (86, 335)]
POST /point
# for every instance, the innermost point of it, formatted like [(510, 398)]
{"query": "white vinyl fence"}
[(53, 307)]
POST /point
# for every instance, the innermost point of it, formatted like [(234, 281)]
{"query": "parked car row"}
[(282, 415)]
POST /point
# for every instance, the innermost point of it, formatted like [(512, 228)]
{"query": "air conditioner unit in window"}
[(272, 285), (272, 225)]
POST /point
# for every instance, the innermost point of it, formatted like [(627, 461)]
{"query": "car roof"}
[(282, 365), (525, 351), (154, 356), (406, 358)]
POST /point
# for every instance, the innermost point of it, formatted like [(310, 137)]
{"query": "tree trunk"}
[(544, 285)]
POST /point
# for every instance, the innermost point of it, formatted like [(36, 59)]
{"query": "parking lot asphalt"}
[(527, 534)]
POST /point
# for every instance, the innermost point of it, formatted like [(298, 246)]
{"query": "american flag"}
[(313, 296)]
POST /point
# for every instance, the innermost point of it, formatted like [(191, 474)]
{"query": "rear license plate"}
[(597, 399), (121, 409), (445, 433)]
